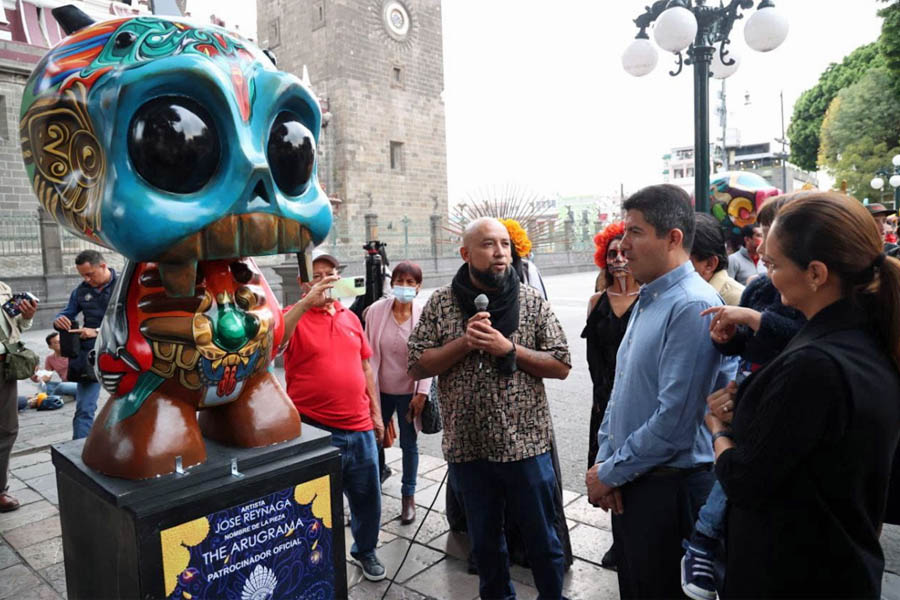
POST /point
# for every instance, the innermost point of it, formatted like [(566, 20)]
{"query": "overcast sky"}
[(535, 92)]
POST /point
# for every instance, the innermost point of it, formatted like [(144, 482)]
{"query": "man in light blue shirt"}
[(654, 462)]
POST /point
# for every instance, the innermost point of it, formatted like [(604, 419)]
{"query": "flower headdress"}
[(518, 237), (602, 240)]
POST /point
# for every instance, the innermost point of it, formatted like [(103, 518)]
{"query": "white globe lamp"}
[(675, 29), (894, 181), (877, 183), (640, 57), (719, 69), (896, 160), (766, 29)]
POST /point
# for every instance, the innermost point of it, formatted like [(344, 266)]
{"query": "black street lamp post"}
[(691, 27), (892, 174)]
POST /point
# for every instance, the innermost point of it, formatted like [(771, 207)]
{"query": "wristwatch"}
[(726, 433), (507, 363)]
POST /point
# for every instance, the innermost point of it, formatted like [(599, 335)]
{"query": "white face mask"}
[(404, 295)]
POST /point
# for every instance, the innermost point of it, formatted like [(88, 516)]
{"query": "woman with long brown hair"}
[(807, 460)]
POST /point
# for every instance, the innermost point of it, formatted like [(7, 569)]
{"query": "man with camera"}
[(16, 318), (326, 367), (90, 299)]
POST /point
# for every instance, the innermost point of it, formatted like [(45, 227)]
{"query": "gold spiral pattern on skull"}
[(69, 166)]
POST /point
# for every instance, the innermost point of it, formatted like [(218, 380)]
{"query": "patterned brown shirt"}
[(487, 415)]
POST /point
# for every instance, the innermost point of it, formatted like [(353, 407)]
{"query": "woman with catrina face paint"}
[(608, 313)]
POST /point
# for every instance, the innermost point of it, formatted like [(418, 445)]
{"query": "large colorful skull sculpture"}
[(184, 149)]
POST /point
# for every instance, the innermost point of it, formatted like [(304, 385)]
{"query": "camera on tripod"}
[(377, 273)]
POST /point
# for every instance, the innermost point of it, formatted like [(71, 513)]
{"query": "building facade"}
[(761, 158), (29, 243), (377, 69)]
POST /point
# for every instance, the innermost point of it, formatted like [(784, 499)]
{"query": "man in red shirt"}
[(328, 377)]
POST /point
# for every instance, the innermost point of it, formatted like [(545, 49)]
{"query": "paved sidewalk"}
[(31, 556)]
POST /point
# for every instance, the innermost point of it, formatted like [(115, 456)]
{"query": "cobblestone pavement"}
[(31, 556)]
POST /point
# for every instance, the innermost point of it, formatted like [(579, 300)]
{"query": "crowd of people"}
[(744, 416), (769, 475)]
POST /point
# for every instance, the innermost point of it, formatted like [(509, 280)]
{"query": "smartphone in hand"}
[(349, 287), (11, 306)]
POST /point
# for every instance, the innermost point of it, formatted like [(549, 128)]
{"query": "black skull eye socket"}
[(125, 39), (291, 152), (173, 144)]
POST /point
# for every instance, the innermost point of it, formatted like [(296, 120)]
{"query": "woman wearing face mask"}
[(608, 314), (389, 322)]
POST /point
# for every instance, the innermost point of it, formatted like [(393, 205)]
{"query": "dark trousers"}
[(9, 422), (525, 491), (659, 512)]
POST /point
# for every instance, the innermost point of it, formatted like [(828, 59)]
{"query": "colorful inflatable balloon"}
[(735, 196)]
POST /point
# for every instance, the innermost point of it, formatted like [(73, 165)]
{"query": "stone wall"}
[(377, 90), (16, 62)]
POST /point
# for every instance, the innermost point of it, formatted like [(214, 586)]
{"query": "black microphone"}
[(481, 304)]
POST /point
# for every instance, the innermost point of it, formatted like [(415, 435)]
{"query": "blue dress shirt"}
[(665, 368)]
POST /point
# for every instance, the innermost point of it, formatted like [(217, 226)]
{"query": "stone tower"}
[(377, 68)]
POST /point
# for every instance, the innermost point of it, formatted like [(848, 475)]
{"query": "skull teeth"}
[(178, 279), (253, 234)]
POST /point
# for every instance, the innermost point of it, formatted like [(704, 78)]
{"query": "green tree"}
[(889, 41), (809, 110), (857, 165), (861, 131)]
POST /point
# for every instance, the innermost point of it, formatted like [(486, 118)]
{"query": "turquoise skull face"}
[(173, 143)]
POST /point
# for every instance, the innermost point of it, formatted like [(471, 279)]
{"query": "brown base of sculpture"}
[(261, 416), (146, 444)]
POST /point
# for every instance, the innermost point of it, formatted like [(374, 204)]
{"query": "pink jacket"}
[(376, 317)]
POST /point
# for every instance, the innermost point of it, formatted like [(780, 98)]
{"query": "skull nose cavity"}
[(260, 192), (259, 198)]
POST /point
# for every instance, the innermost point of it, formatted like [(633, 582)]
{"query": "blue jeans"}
[(400, 402), (61, 388), (526, 491), (86, 395), (362, 486), (711, 519)]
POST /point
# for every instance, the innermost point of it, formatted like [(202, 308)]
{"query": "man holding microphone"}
[(497, 426)]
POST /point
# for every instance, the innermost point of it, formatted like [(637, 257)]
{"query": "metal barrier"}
[(22, 247), (20, 234)]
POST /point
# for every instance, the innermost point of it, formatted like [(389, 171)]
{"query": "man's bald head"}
[(486, 248), (476, 230)]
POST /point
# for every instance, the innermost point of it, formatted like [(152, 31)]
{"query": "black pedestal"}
[(273, 529)]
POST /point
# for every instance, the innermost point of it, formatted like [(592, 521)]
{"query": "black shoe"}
[(609, 559), (371, 567), (8, 503), (698, 579), (471, 567), (385, 473)]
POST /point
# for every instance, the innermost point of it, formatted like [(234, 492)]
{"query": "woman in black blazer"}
[(807, 463)]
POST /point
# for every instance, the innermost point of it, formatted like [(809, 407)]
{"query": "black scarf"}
[(503, 304)]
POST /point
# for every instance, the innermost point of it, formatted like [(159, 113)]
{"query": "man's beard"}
[(490, 278)]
